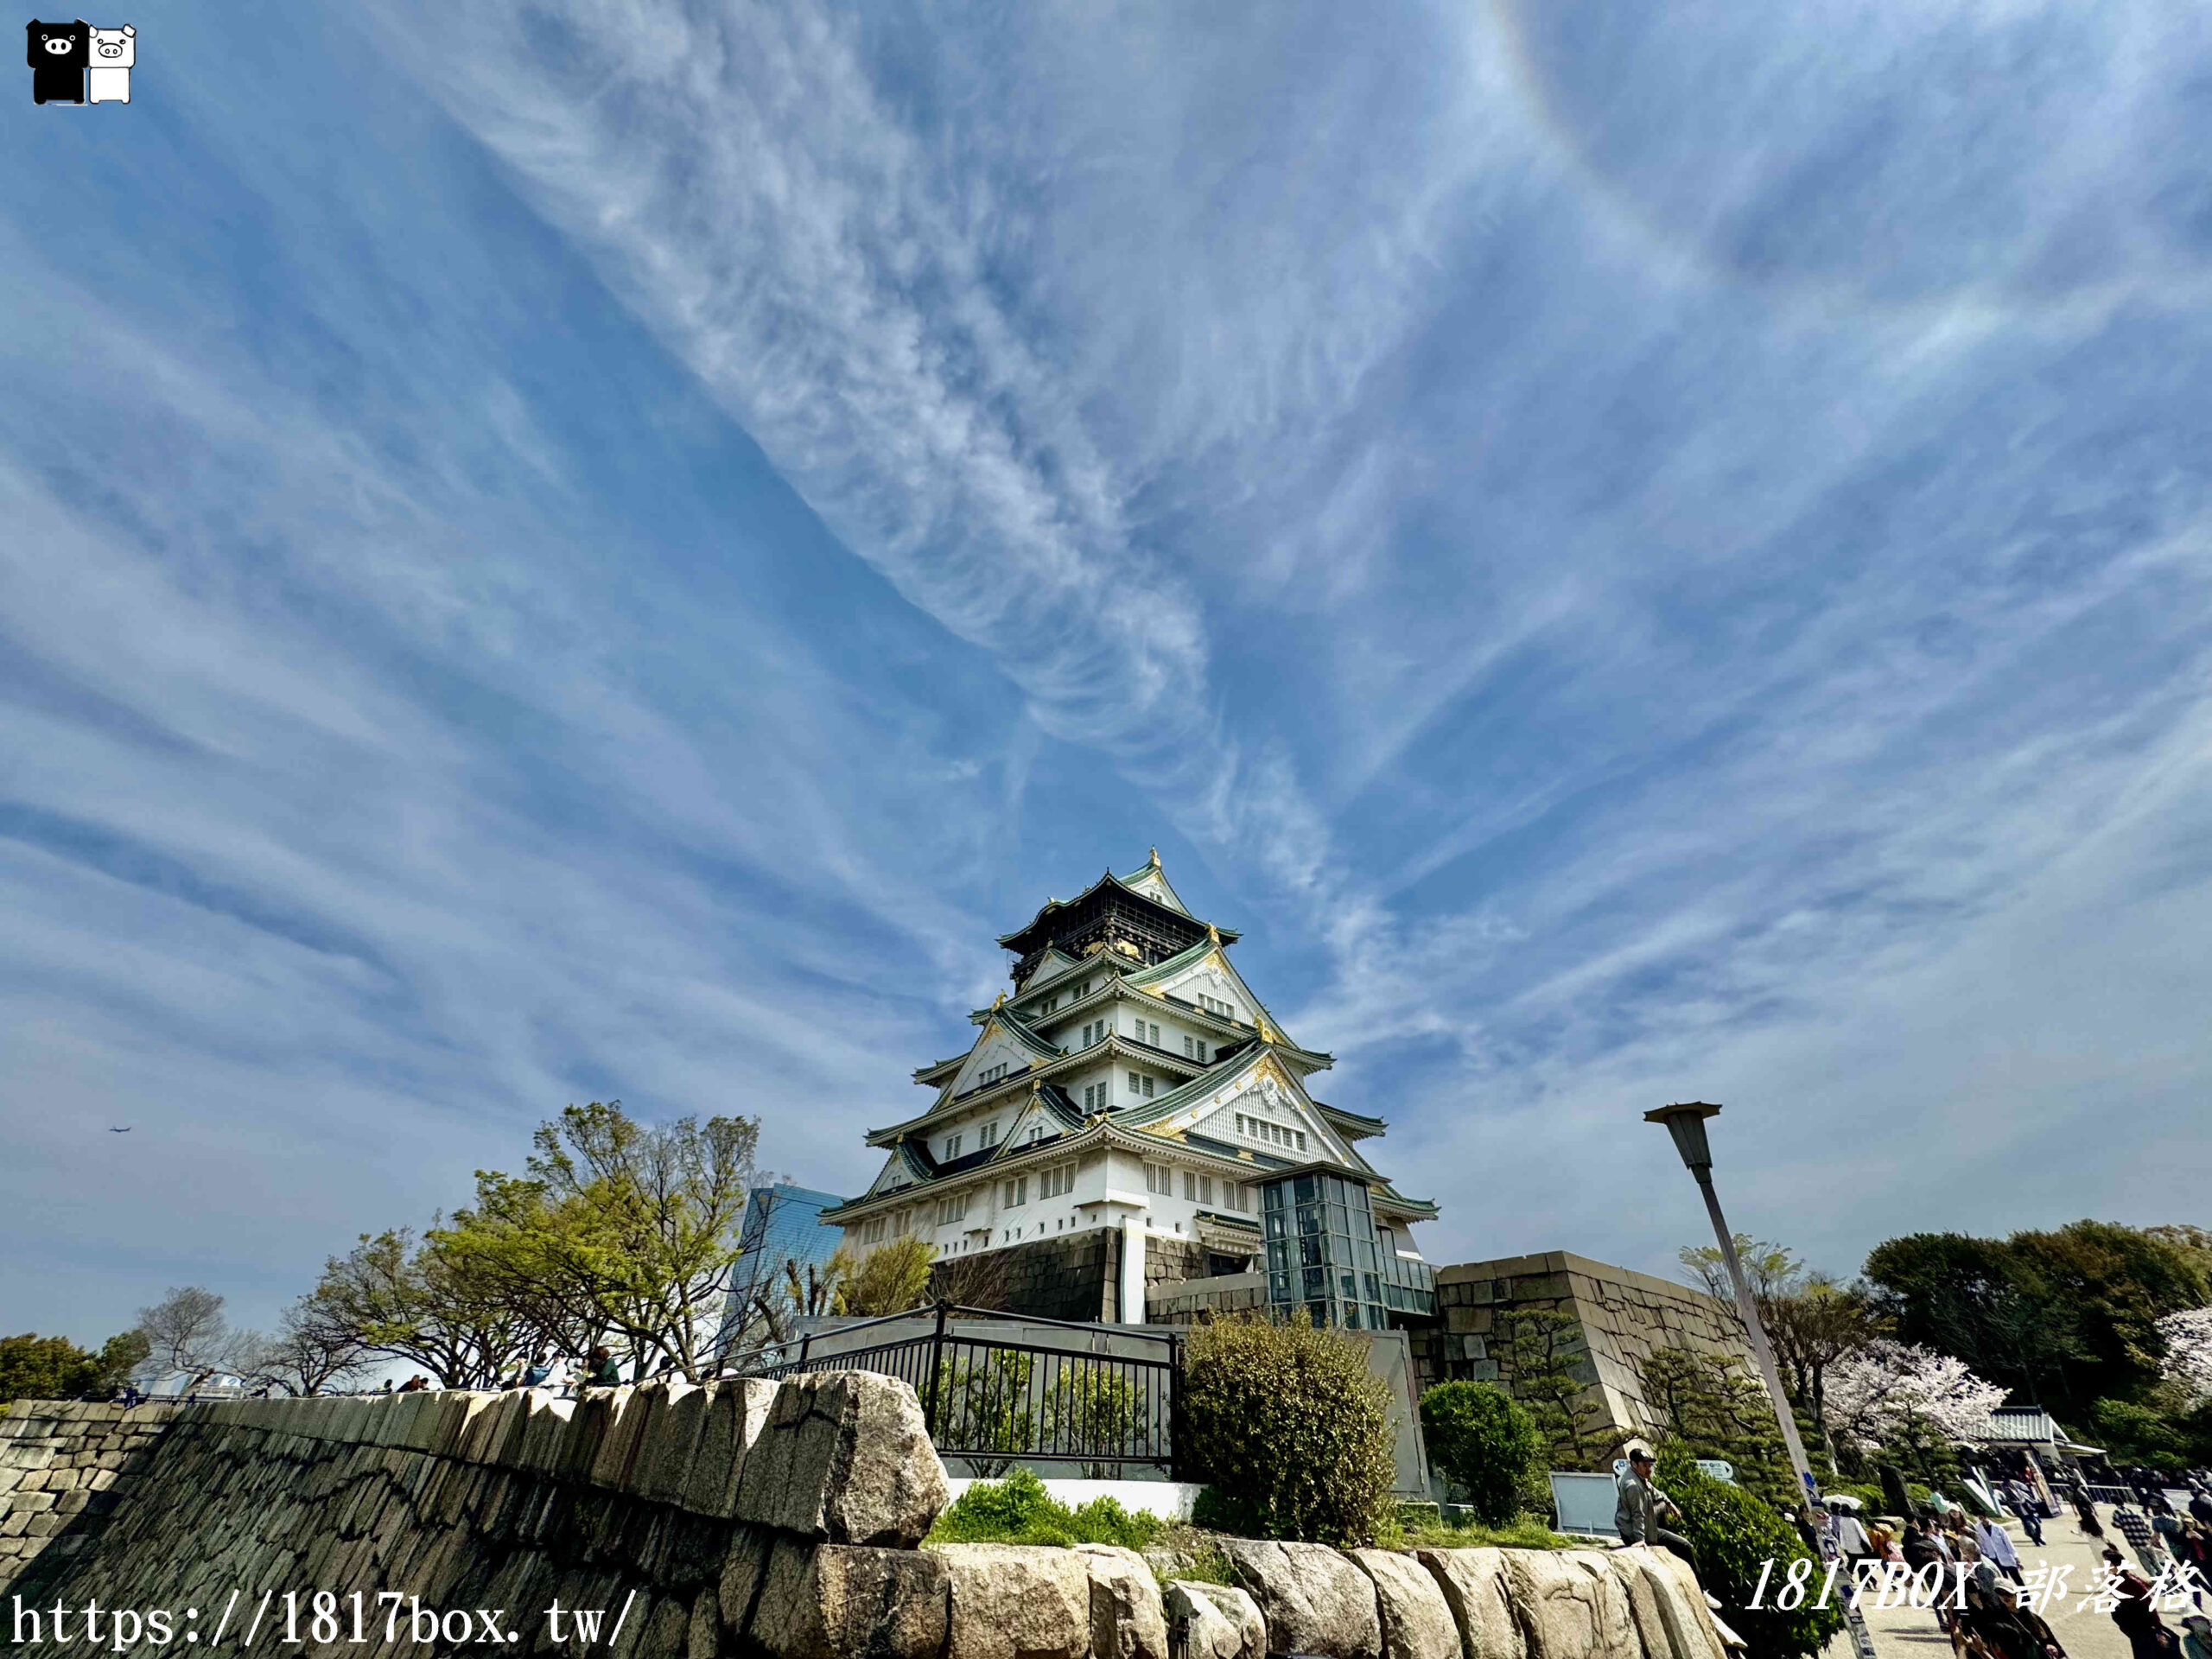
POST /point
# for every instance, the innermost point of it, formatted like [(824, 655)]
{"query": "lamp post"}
[(1685, 1121)]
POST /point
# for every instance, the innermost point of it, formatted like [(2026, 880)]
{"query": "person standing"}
[(1996, 1548), (1636, 1514), (2134, 1612), (2020, 1498)]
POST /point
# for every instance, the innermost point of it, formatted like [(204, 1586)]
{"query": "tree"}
[(427, 1302), (1291, 1429), (1911, 1403), (1712, 1406), (889, 1278), (1537, 1350), (620, 1227), (33, 1367), (779, 1299), (311, 1350), (1093, 1412), (2060, 1319), (186, 1331), (1738, 1536), (2187, 1336), (1811, 1318), (984, 1406), (1486, 1443)]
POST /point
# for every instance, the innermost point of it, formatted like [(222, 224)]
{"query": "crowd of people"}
[(1998, 1611)]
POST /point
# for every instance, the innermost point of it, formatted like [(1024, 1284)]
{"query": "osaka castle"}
[(1139, 1138)]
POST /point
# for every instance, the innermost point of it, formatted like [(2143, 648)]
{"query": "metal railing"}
[(995, 1402)]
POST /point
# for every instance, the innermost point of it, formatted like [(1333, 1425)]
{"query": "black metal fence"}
[(996, 1402)]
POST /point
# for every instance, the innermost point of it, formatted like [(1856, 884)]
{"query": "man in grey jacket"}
[(1636, 1517)]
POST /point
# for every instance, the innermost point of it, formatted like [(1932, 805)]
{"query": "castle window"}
[(951, 1209), (1141, 1085), (1057, 1182), (991, 1073), (951, 1147), (1214, 1005), (1158, 1178), (1198, 1189), (988, 1135), (1014, 1193)]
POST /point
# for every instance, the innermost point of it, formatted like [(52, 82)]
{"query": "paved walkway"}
[(2085, 1633)]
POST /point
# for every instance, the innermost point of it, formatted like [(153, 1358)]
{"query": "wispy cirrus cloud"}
[(1646, 553)]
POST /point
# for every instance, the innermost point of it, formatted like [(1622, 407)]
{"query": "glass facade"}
[(782, 1224), (1323, 1254)]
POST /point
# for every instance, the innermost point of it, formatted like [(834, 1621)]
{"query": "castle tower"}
[(1131, 1112)]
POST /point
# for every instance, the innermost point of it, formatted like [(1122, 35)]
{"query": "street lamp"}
[(1685, 1121)]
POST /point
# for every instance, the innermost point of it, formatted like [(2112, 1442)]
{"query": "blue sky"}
[(567, 552)]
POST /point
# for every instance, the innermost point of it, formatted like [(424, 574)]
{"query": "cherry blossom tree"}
[(2188, 1350), (1882, 1392)]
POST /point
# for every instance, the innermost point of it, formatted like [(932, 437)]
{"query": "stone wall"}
[(66, 1466), (1077, 1276), (740, 1518), (1623, 1316)]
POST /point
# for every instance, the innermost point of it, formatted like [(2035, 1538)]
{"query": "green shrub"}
[(1735, 1534), (1019, 1510), (1486, 1442), (1290, 1429)]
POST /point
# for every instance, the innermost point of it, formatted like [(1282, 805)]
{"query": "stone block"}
[(1314, 1599), (1126, 1621), (1651, 1628), (457, 1410), (1417, 1621), (1481, 1599), (842, 1601), (671, 1435), (1565, 1609), (1682, 1603), (1213, 1621), (1016, 1601), (743, 1569), (618, 1436), (543, 1446), (733, 1420), (1617, 1631), (845, 1456)]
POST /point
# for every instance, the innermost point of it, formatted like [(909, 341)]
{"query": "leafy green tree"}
[(1290, 1427), (889, 1278), (622, 1227), (1094, 1413), (1811, 1318), (987, 1407), (1486, 1443), (1541, 1358), (427, 1302), (1735, 1532), (2061, 1318), (33, 1367), (1711, 1405)]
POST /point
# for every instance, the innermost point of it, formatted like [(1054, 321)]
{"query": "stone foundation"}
[(740, 1518), (1077, 1276), (1623, 1316)]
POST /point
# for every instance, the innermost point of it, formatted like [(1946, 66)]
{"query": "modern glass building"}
[(782, 1224), (1325, 1254)]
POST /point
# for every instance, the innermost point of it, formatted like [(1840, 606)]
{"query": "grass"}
[(1019, 1510), (1524, 1533)]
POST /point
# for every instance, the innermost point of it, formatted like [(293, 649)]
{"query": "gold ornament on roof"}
[(1155, 858)]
